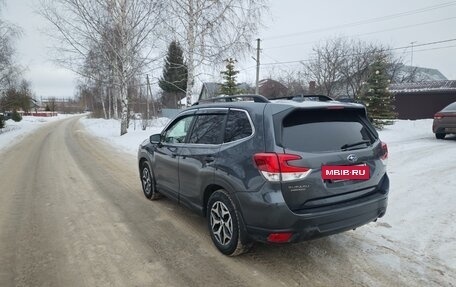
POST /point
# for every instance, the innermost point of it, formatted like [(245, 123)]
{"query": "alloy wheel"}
[(146, 180), (221, 223)]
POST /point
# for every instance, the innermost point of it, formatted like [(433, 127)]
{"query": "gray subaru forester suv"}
[(270, 171)]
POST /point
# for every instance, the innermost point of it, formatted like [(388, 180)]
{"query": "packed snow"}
[(15, 131)]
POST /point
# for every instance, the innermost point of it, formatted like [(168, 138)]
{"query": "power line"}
[(390, 49), (367, 21), (368, 33)]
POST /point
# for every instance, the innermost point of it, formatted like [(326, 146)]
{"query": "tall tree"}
[(209, 30), (122, 30), (175, 73), (9, 70), (229, 86), (375, 94)]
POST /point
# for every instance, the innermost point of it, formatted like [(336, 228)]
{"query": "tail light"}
[(275, 166), (384, 156), (438, 116)]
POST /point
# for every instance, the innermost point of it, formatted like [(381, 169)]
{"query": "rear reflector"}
[(384, 156), (275, 166), (281, 237)]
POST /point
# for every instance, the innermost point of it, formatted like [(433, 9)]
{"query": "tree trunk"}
[(190, 56), (109, 93), (115, 108), (103, 102), (124, 107)]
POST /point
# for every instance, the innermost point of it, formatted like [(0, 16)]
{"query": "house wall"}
[(422, 105)]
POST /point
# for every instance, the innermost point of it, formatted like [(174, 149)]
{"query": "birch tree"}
[(8, 68), (123, 28), (211, 31)]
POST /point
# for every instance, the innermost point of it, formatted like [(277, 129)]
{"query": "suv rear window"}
[(450, 108), (324, 130)]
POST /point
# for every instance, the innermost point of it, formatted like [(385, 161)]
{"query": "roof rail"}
[(301, 98), (234, 98)]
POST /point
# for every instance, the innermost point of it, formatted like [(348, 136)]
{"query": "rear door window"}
[(237, 126), (208, 129), (325, 131)]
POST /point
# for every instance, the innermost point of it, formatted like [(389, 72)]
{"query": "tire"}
[(148, 182), (440, 136), (225, 225)]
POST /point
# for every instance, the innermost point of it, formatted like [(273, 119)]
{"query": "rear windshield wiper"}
[(345, 146)]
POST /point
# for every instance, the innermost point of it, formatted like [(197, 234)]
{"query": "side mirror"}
[(155, 139)]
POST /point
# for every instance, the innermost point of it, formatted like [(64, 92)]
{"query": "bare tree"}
[(359, 57), (341, 66), (326, 66), (122, 30), (211, 31), (293, 79)]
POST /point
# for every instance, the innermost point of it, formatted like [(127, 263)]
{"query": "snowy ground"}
[(418, 229), (15, 131), (110, 131)]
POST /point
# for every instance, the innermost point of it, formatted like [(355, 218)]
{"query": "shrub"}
[(2, 122), (15, 116)]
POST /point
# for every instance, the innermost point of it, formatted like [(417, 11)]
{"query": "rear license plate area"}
[(337, 173)]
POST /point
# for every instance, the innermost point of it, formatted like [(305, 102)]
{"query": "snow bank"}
[(109, 130), (15, 131)]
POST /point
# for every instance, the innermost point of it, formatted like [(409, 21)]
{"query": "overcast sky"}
[(293, 27)]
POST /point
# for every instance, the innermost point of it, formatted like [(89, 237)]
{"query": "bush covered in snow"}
[(15, 116)]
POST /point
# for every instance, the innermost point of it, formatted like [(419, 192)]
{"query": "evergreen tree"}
[(174, 79), (229, 87), (375, 95)]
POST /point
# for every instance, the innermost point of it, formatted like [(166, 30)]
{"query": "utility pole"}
[(147, 98), (411, 56), (149, 92), (257, 88)]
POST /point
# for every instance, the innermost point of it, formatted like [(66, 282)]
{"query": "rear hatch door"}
[(328, 137)]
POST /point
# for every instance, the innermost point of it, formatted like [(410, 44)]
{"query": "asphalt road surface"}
[(72, 213)]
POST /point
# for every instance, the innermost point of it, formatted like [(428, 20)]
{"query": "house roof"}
[(421, 74), (212, 87), (429, 86)]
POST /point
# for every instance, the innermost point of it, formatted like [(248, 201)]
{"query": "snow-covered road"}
[(72, 213)]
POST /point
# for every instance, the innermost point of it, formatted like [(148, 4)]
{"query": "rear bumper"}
[(439, 127), (266, 212), (315, 225)]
